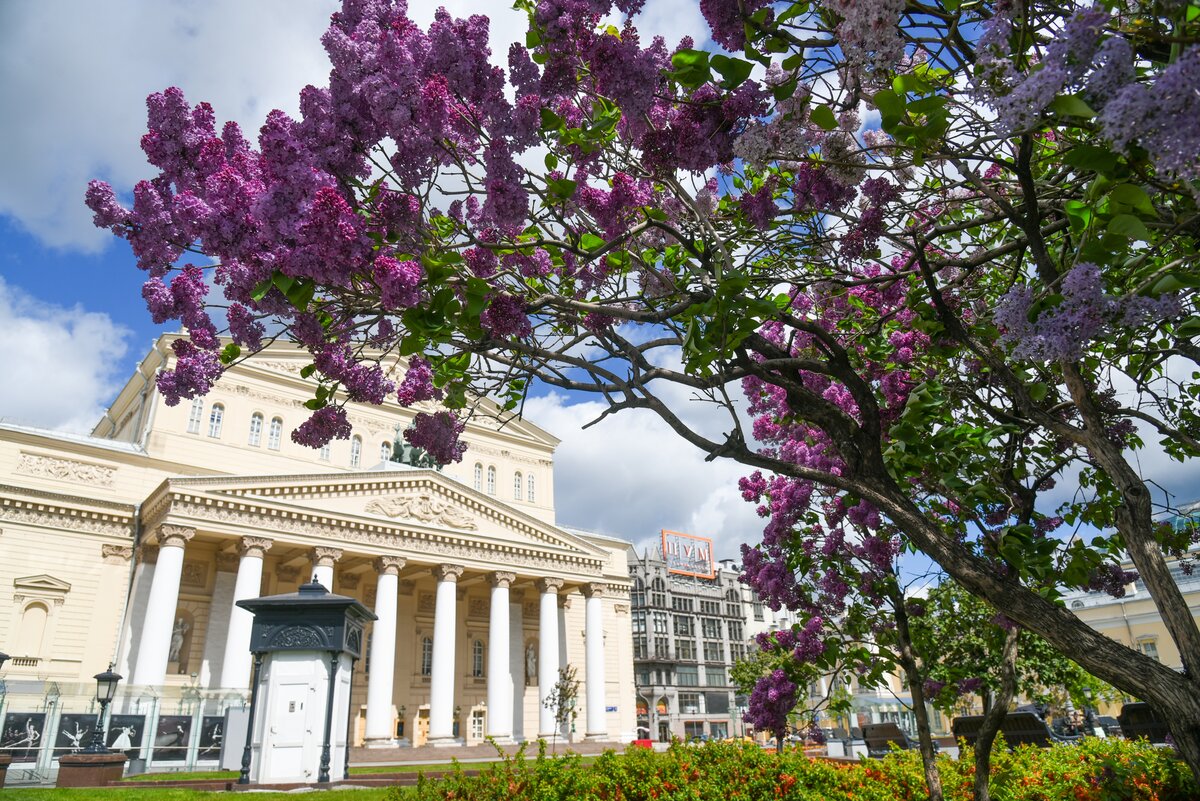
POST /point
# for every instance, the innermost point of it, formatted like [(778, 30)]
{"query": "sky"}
[(74, 76)]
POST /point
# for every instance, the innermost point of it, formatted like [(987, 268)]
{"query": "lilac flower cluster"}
[(1110, 578), (417, 385), (868, 33), (325, 424), (1085, 313), (773, 698), (438, 435)]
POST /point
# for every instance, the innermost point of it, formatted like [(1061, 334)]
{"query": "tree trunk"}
[(916, 690), (995, 716)]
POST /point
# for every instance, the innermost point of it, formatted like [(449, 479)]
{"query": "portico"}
[(461, 650)]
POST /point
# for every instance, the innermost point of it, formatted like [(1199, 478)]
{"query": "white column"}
[(593, 628), (322, 561), (547, 652), (499, 678), (154, 649), (235, 667), (380, 732), (441, 683)]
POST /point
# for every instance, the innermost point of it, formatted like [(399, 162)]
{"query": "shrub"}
[(1096, 770)]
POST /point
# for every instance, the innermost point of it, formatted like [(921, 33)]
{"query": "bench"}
[(880, 737), (1138, 720), (1018, 728)]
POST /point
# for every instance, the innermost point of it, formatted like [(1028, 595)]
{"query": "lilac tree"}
[(930, 316)]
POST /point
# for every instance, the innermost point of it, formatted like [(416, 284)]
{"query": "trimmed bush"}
[(1096, 770)]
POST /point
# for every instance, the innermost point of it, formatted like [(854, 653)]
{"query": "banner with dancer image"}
[(171, 737), (21, 735), (74, 733), (125, 733)]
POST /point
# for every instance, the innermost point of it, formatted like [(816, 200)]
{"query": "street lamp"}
[(3, 658), (106, 689)]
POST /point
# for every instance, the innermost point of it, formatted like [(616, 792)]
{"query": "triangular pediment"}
[(41, 583), (409, 499)]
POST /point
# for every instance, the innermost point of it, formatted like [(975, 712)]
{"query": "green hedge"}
[(1096, 770)]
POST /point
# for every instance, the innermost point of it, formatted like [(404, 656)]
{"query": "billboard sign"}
[(688, 555)]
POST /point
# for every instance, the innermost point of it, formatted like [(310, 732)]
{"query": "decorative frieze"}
[(423, 507), (349, 581), (61, 517), (287, 572), (195, 574), (59, 469)]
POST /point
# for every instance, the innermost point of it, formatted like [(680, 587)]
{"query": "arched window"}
[(477, 658), (479, 476), (195, 416), (385, 451), (637, 595), (215, 419), (517, 486), (256, 423), (32, 630), (275, 434), (426, 656), (529, 488), (356, 451), (491, 481), (325, 452), (658, 593)]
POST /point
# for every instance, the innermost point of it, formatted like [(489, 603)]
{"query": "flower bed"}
[(1097, 770)]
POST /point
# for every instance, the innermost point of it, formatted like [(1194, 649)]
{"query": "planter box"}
[(5, 761), (90, 770)]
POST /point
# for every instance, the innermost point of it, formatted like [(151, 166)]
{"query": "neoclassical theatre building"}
[(132, 545)]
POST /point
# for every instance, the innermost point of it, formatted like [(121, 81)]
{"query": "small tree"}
[(561, 700)]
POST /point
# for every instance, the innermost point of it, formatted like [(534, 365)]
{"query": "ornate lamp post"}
[(106, 690)]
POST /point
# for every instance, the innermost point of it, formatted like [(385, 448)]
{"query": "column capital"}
[(255, 546), (549, 584), (448, 572), (502, 579), (594, 589), (389, 565), (325, 557), (169, 536)]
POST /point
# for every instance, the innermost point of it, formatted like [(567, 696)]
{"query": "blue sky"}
[(72, 322)]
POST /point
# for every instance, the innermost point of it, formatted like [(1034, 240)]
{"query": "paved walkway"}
[(364, 757)]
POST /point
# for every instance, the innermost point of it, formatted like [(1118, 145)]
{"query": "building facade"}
[(133, 544), (688, 631)]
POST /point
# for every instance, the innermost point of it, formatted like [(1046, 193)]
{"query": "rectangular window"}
[(660, 622), (255, 430), (275, 434), (685, 626), (715, 676), (197, 414), (639, 622), (710, 627), (214, 420), (710, 608), (737, 651), (685, 649), (689, 703), (662, 648), (713, 652), (643, 678), (687, 676), (1149, 648), (693, 729), (477, 725), (735, 630), (426, 657), (717, 703), (681, 604), (640, 650)]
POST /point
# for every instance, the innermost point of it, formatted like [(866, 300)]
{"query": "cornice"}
[(51, 510), (237, 515)]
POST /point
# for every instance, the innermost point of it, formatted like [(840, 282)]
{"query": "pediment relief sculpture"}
[(423, 507)]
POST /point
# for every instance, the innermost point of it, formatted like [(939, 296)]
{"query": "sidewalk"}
[(370, 757)]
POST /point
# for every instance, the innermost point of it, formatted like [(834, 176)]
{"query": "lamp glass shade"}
[(106, 685)]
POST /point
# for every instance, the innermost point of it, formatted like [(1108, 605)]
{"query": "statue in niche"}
[(530, 664), (177, 638)]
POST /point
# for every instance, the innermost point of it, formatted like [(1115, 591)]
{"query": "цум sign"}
[(688, 555)]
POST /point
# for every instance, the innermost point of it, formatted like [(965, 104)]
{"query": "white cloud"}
[(630, 476), (61, 366), (76, 75)]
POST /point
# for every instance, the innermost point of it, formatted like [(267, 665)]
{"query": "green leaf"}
[(891, 108), (590, 242), (314, 404), (691, 67), (1192, 13), (1130, 226), (1072, 106), (823, 117), (550, 120), (1135, 197), (230, 352), (735, 71), (1090, 157), (1190, 328), (261, 289), (551, 161), (307, 370), (562, 188)]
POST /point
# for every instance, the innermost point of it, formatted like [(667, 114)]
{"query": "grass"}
[(361, 770)]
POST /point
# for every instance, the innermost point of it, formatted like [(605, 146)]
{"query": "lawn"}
[(183, 794)]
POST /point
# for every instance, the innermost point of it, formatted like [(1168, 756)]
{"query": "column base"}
[(502, 739), (444, 742), (596, 737), (380, 742)]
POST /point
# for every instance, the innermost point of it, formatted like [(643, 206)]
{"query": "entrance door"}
[(290, 729), (421, 730), (664, 731)]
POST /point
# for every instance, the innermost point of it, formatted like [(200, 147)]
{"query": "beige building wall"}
[(78, 517)]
